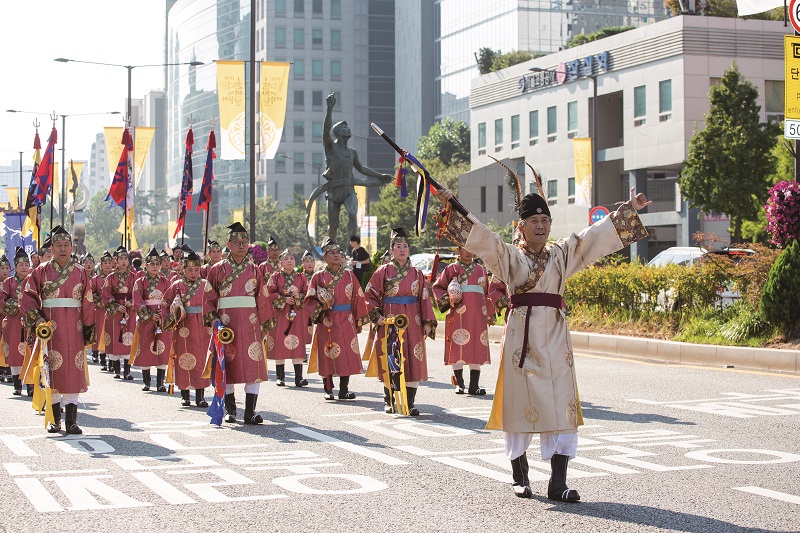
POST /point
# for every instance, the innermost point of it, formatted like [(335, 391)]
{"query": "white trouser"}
[(295, 361), (459, 366), (67, 398), (412, 384), (15, 370), (550, 443), (249, 388)]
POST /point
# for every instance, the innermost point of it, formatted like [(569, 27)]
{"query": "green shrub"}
[(780, 298)]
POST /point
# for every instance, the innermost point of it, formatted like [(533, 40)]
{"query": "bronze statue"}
[(340, 161)]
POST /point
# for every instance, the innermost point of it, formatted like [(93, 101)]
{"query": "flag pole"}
[(51, 170)]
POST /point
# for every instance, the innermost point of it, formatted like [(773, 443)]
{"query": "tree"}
[(513, 57), (756, 230), (782, 292), (447, 141), (147, 236), (721, 8), (101, 225), (602, 33), (731, 159), (485, 59)]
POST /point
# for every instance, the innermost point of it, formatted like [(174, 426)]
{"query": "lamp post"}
[(592, 130), (63, 147)]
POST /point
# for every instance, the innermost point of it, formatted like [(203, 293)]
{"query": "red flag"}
[(44, 174), (208, 173), (119, 185), (185, 200)]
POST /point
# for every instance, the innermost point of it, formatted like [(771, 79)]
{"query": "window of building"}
[(280, 165), (280, 8), (482, 138), (299, 130), (275, 196), (552, 192), (336, 9), (300, 188), (299, 8), (500, 207), (280, 37), (299, 69), (336, 70), (572, 119), (336, 40), (299, 100), (316, 69), (299, 162), (316, 39), (316, 99), (316, 8), (299, 38), (552, 123), (498, 134), (665, 100), (570, 190), (316, 130), (533, 127), (316, 161), (483, 199), (639, 105), (773, 100), (514, 132)]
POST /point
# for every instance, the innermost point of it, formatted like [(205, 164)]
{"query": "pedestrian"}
[(400, 288), (102, 337), (336, 304), (190, 334), (360, 258), (151, 340), (536, 389), (15, 343), (462, 292), (58, 292), (287, 290), (238, 300), (120, 320)]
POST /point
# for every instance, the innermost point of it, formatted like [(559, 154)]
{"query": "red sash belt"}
[(534, 299)]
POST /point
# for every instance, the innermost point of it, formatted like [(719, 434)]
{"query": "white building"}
[(652, 87)]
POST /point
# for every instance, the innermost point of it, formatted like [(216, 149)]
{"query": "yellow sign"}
[(273, 90), (791, 61), (582, 155), (230, 91)]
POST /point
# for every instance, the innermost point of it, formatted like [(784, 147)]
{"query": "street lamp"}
[(63, 146), (592, 130)]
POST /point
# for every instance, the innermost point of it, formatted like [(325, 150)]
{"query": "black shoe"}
[(17, 386), (344, 385), (329, 396), (474, 388), (519, 472), (411, 394), (298, 376), (387, 401), (280, 375), (127, 372), (186, 401), (72, 420), (29, 390), (557, 488), (55, 427), (199, 398), (117, 366), (230, 408), (250, 416), (161, 375), (458, 378), (146, 379)]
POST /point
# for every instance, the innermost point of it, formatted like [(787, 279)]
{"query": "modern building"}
[(98, 176), (334, 46), (10, 178), (651, 87)]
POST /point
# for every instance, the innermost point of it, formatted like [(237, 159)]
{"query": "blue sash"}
[(400, 300)]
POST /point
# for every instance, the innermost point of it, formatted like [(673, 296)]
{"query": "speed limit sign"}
[(794, 14)]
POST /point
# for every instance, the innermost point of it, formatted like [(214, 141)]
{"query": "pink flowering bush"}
[(783, 212), (258, 253)]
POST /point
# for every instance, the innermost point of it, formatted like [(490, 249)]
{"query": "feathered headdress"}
[(513, 184), (538, 179)]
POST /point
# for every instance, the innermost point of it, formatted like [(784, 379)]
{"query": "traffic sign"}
[(794, 14), (791, 62), (791, 129), (597, 213)]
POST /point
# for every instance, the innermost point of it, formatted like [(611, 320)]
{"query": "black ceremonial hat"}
[(306, 254), (121, 250), (399, 235), (20, 254), (236, 227), (272, 242), (213, 244), (328, 245), (4, 259), (106, 256), (533, 204), (152, 255)]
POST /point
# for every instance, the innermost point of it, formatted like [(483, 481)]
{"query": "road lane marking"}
[(774, 494), (698, 367), (349, 446)]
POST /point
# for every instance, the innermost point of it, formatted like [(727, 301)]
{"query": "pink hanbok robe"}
[(148, 299), (282, 346), (96, 283), (190, 336), (117, 294), (14, 342)]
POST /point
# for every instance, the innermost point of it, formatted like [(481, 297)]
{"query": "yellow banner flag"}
[(230, 91), (238, 215), (121, 229), (73, 178), (113, 137), (582, 153), (273, 88), (312, 222), (142, 139), (13, 198), (361, 195)]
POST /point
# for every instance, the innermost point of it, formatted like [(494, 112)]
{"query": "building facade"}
[(651, 86), (98, 176)]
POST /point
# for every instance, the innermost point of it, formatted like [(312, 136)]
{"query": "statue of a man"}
[(340, 161)]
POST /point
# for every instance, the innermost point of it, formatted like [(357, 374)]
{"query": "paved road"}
[(664, 448)]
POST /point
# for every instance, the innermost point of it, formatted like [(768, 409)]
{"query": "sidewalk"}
[(673, 352)]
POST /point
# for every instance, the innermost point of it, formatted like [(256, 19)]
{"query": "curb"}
[(673, 352)]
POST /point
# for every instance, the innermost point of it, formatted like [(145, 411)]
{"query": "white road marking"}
[(774, 494), (355, 448)]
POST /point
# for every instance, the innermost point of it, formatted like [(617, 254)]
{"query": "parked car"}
[(424, 262), (677, 255)]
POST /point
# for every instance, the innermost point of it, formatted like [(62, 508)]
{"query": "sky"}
[(33, 34)]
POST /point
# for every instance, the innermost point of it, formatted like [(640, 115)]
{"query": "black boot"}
[(55, 427), (17, 386), (458, 376), (186, 401), (298, 376), (519, 471), (103, 366), (72, 420), (94, 355), (387, 401), (199, 398), (230, 408), (411, 393), (161, 374), (344, 389), (474, 388), (250, 416), (29, 390), (327, 386), (280, 374), (127, 371), (557, 488), (117, 366), (146, 379)]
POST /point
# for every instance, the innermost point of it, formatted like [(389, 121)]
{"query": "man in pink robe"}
[(272, 263), (14, 334), (214, 257), (120, 317), (336, 304), (97, 282), (238, 299), (59, 292), (190, 335), (400, 288), (461, 291)]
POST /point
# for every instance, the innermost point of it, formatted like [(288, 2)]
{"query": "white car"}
[(424, 262), (678, 255)]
